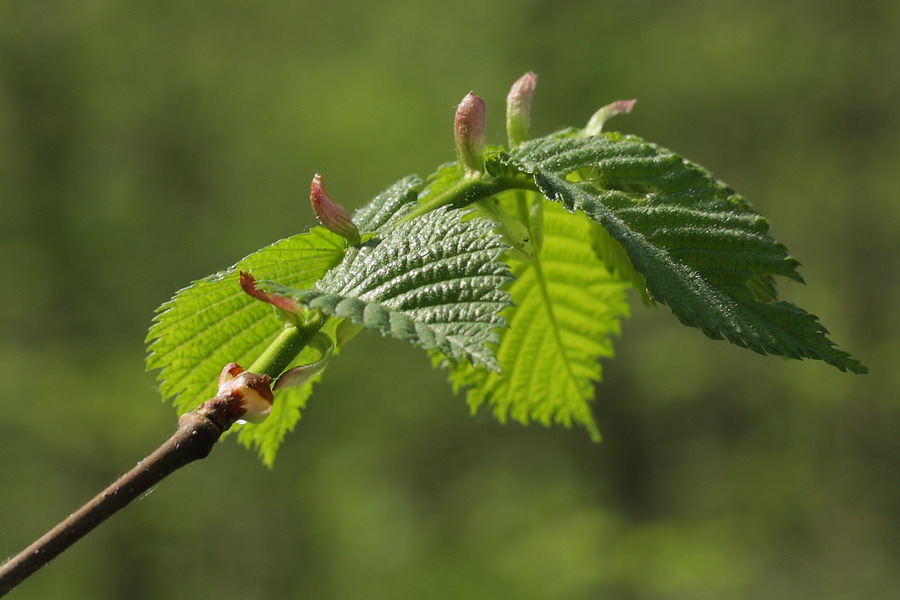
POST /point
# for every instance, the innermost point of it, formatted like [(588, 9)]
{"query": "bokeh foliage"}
[(143, 145)]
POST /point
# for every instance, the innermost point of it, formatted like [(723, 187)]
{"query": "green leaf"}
[(388, 206), (701, 248), (567, 306), (444, 178), (266, 437), (616, 260), (434, 281), (213, 322)]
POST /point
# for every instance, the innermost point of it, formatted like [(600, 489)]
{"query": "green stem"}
[(284, 349), (470, 189)]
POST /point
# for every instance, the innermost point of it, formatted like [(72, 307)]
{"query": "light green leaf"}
[(213, 322), (266, 437), (567, 306), (443, 179), (434, 281), (701, 248)]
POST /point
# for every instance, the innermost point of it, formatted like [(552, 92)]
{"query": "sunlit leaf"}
[(213, 322), (433, 281), (567, 307), (701, 248)]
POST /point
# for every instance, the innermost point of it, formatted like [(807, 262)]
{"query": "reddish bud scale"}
[(250, 389), (241, 395)]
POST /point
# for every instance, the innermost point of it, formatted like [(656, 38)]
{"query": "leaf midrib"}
[(548, 305)]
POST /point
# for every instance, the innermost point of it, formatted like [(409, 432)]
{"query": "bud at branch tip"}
[(518, 109), (468, 131), (330, 214)]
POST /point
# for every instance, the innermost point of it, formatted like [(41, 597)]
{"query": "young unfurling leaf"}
[(521, 297)]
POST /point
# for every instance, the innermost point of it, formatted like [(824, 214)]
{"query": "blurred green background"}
[(146, 144)]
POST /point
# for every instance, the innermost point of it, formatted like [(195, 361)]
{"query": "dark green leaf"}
[(701, 248), (434, 281)]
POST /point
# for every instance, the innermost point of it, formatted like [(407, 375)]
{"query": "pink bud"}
[(330, 214), (468, 130), (518, 109), (619, 107)]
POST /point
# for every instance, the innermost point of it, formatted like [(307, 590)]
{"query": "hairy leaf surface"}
[(391, 204), (567, 306), (701, 248), (434, 281)]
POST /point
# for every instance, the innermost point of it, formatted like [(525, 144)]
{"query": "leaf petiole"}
[(285, 348), (471, 189)]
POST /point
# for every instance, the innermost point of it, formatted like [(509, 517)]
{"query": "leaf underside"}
[(701, 248), (567, 306)]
